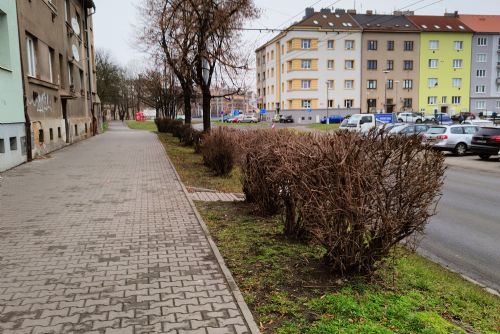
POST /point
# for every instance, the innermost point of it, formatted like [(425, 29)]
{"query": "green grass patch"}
[(193, 173), (289, 291), (145, 125), (323, 127)]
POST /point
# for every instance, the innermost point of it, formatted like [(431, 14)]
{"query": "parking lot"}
[(473, 162)]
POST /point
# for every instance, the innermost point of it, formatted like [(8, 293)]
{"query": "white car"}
[(248, 119), (410, 117), (478, 122), (452, 138)]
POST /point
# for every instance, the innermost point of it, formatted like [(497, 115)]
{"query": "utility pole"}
[(385, 90), (327, 115)]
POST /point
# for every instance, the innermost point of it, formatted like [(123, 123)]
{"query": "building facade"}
[(485, 68), (445, 64), (390, 56), (313, 68), (12, 121), (57, 54)]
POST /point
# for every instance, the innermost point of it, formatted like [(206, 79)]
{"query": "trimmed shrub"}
[(219, 151)]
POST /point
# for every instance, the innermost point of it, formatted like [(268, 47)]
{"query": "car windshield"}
[(397, 128), (436, 130), (344, 122), (354, 120)]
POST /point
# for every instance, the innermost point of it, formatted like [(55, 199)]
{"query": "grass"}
[(192, 171), (146, 125), (289, 292), (323, 127)]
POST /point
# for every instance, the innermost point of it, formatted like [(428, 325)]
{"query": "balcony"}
[(498, 81)]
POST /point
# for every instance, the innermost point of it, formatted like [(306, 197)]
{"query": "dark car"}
[(333, 119), (465, 115), (486, 142), (286, 119)]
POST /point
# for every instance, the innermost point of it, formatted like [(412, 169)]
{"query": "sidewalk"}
[(102, 238)]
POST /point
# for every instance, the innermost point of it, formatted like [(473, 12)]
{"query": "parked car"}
[(226, 118), (410, 117), (250, 118), (333, 119), (452, 138), (276, 118), (409, 129), (365, 122), (235, 119), (440, 118), (286, 119), (486, 142), (478, 122), (465, 115)]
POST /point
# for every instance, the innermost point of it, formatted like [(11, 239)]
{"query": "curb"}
[(233, 287)]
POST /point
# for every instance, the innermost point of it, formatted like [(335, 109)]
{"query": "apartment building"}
[(313, 67), (445, 63), (390, 62), (57, 55), (485, 68), (12, 122)]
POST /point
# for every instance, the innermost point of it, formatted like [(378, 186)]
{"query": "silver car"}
[(452, 138)]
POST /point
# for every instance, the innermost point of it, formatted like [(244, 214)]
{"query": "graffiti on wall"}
[(41, 102)]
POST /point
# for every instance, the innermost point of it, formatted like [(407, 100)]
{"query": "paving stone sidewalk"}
[(102, 238)]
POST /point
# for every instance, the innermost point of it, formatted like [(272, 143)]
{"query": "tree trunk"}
[(207, 98), (187, 94)]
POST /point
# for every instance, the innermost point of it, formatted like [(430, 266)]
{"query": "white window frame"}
[(349, 44), (330, 44), (480, 41), (330, 84), (371, 84), (498, 105), (305, 84), (433, 62), (432, 100), (457, 63), (480, 89), (481, 105), (350, 85), (348, 103), (444, 99), (51, 73), (305, 43), (433, 45), (306, 64), (306, 104), (458, 45), (481, 58), (407, 84), (456, 99), (481, 73), (432, 82), (332, 62), (456, 82), (31, 53), (351, 62), (70, 76)]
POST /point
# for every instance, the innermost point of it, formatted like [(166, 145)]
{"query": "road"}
[(465, 234)]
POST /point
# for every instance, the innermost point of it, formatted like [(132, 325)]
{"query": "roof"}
[(439, 23), (388, 23), (335, 21), (482, 23)]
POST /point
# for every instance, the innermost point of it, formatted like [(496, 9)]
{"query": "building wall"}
[(397, 94), (12, 128), (489, 100), (445, 72), (58, 104)]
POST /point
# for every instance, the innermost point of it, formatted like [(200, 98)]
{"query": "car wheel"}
[(460, 149), (418, 121), (400, 120), (484, 156)]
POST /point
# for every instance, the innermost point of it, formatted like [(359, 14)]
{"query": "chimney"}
[(369, 12), (351, 11), (398, 13), (339, 11), (454, 14), (326, 10), (309, 12)]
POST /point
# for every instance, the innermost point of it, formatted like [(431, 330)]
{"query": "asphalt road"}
[(465, 233)]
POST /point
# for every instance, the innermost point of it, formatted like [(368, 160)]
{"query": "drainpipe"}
[(89, 66), (27, 124)]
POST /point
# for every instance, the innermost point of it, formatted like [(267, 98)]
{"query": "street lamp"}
[(385, 90), (397, 100), (327, 116)]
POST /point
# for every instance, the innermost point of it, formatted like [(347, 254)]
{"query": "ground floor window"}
[(348, 103), (306, 104)]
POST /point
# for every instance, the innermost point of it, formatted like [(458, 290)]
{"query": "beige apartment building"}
[(390, 63), (57, 52)]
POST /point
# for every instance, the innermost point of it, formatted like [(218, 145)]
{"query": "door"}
[(444, 109), (65, 117), (390, 105)]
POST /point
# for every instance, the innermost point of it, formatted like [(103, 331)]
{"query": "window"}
[(372, 45), (330, 44), (306, 44), (457, 63), (408, 65), (330, 84), (390, 45), (372, 64), (482, 41), (480, 89), (498, 105), (306, 64), (41, 139), (390, 84), (51, 65), (348, 84), (348, 103), (59, 135), (31, 52), (408, 45), (458, 45), (330, 64), (444, 99), (306, 104), (349, 64), (372, 103), (13, 143), (456, 82), (331, 104), (407, 103), (70, 76), (481, 57), (480, 104), (51, 134), (408, 84), (432, 82), (481, 73), (433, 63), (2, 146), (66, 10), (76, 129), (4, 41), (432, 100), (349, 44), (390, 65), (272, 54), (433, 45), (457, 130), (87, 129), (456, 99), (272, 72), (372, 84), (306, 84)]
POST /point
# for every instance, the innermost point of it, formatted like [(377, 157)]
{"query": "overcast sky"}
[(114, 20)]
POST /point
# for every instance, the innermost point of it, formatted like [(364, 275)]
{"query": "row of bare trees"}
[(197, 44)]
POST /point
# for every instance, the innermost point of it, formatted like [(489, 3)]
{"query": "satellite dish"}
[(76, 55), (75, 25)]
